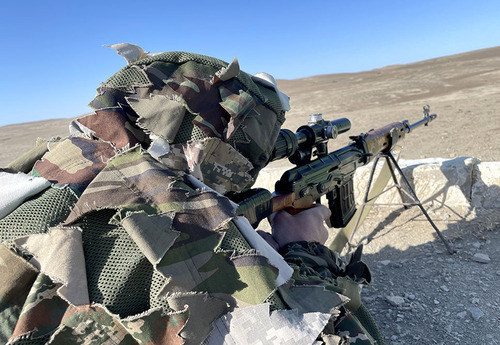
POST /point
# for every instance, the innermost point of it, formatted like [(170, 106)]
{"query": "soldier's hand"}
[(307, 225)]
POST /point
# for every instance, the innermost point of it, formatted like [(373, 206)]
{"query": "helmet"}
[(201, 114)]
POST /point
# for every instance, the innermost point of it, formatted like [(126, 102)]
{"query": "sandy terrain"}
[(420, 294), (462, 89)]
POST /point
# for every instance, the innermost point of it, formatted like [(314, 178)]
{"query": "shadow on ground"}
[(421, 294)]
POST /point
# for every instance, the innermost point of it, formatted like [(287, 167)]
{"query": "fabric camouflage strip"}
[(213, 162), (231, 109), (152, 234), (203, 311), (132, 170), (191, 261), (110, 125), (350, 288), (17, 277), (42, 311), (195, 251), (121, 79), (309, 298), (256, 136), (254, 325), (191, 153), (153, 192), (205, 104), (270, 98), (193, 265), (74, 162), (112, 97), (222, 167), (191, 86), (258, 275), (174, 157), (47, 249), (352, 329), (226, 73), (92, 325), (159, 115), (238, 106), (156, 327)]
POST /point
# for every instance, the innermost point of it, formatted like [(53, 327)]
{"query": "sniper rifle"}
[(329, 174)]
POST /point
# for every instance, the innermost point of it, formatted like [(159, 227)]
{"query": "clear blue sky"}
[(52, 56)]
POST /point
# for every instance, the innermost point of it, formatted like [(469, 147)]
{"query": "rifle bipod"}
[(393, 164)]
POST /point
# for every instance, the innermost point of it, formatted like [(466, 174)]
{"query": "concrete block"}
[(486, 187), (436, 180), (441, 181)]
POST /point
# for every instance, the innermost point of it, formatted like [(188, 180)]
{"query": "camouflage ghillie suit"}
[(111, 240)]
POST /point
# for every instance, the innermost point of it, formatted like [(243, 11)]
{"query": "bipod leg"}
[(390, 161), (365, 199), (417, 202)]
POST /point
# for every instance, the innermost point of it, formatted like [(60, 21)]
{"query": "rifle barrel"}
[(425, 121)]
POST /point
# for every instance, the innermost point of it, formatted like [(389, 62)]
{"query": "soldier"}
[(122, 233)]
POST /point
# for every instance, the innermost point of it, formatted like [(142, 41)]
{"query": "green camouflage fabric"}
[(351, 329), (110, 125), (17, 278), (96, 138), (42, 311), (219, 99), (213, 161), (315, 264), (156, 194), (74, 162), (96, 325), (122, 249), (48, 318)]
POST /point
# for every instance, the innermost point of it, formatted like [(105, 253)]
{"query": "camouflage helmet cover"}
[(203, 115)]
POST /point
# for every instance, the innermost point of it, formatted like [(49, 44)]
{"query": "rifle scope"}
[(298, 146)]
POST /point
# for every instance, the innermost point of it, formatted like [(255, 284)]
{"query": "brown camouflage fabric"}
[(74, 162), (234, 110), (211, 160), (133, 253), (110, 125)]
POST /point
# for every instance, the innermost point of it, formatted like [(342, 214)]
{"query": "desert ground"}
[(420, 293)]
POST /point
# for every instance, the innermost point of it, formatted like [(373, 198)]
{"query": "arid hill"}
[(463, 89)]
